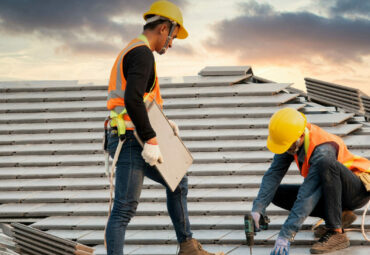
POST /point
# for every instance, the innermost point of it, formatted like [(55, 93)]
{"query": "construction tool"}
[(249, 228)]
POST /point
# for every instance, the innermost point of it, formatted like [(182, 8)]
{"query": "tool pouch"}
[(365, 178), (117, 120)]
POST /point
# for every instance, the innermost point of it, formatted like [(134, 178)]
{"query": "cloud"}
[(75, 24), (183, 49), (350, 7), (88, 48), (264, 35)]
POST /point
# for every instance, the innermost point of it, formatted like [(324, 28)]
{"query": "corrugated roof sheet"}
[(33, 241), (350, 99), (52, 173)]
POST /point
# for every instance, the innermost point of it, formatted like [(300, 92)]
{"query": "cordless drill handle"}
[(264, 222)]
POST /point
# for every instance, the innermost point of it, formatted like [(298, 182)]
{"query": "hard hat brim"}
[(275, 147), (182, 34)]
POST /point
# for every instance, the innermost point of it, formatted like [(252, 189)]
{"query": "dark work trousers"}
[(341, 190)]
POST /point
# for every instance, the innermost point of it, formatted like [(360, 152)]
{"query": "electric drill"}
[(249, 228)]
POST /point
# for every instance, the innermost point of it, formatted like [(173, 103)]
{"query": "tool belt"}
[(128, 124), (116, 121)]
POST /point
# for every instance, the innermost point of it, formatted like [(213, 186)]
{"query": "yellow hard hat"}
[(286, 126), (170, 11)]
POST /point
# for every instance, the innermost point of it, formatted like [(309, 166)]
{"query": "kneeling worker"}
[(133, 80), (331, 189)]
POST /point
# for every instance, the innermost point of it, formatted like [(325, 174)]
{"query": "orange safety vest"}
[(315, 136), (117, 82)]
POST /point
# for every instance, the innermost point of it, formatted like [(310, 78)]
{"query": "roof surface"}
[(52, 174)]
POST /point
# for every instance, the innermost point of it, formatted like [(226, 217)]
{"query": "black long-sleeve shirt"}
[(138, 70)]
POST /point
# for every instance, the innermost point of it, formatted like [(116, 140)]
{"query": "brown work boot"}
[(320, 231), (348, 217), (193, 247), (330, 241)]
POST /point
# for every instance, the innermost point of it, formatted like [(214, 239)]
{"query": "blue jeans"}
[(130, 171), (341, 190)]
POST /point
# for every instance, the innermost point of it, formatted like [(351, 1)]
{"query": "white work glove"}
[(151, 154), (281, 246), (256, 218), (175, 128)]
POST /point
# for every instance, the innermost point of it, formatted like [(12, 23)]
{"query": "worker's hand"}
[(151, 154), (175, 128), (256, 219), (281, 246)]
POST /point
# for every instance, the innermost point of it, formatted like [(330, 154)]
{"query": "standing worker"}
[(133, 82), (334, 181)]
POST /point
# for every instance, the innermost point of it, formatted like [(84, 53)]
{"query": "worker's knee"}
[(326, 166), (124, 211)]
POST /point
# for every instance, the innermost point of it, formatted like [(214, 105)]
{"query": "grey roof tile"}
[(198, 222), (69, 234), (235, 123), (144, 208), (357, 141), (14, 196), (218, 189), (200, 81), (128, 249), (220, 236), (46, 160), (170, 106), (51, 138), (26, 107), (52, 117), (34, 128), (52, 96), (59, 222), (303, 237), (37, 84), (254, 92), (297, 250), (50, 172), (225, 70), (17, 210)]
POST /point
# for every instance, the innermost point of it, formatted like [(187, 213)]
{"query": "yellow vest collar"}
[(144, 39), (306, 140)]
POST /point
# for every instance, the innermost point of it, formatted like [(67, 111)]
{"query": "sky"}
[(282, 40)]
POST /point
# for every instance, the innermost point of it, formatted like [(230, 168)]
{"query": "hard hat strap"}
[(154, 18), (169, 37), (297, 146)]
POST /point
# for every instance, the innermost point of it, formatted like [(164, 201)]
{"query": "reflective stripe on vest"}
[(315, 136), (117, 82), (117, 86)]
